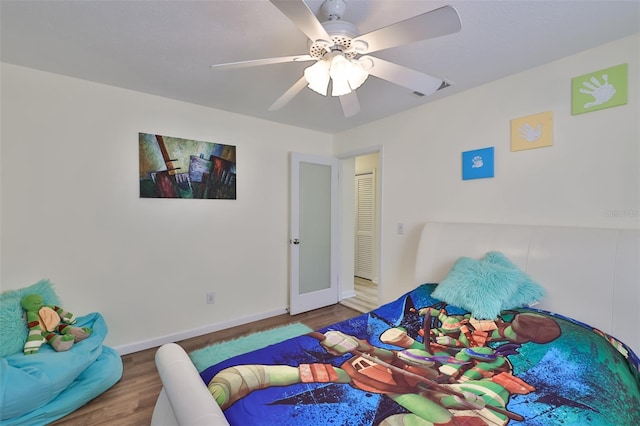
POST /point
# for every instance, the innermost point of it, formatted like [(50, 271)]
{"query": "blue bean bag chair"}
[(40, 388)]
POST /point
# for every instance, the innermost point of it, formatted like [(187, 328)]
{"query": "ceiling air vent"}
[(442, 86)]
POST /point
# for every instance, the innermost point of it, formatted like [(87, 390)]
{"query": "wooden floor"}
[(366, 298), (131, 400)]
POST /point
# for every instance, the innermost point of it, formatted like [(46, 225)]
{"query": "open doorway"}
[(366, 194)]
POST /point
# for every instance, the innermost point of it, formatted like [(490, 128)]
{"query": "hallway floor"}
[(366, 298)]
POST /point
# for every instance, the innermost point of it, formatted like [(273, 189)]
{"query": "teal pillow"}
[(488, 286), (527, 292), (13, 328)]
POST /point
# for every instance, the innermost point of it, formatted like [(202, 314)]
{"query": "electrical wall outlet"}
[(211, 298)]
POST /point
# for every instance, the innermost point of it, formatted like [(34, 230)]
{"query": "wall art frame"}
[(172, 167), (478, 163), (532, 131), (600, 89)]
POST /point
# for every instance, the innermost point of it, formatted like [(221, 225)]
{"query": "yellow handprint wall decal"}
[(533, 131), (598, 90)]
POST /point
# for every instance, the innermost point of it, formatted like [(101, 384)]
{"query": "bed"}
[(570, 359)]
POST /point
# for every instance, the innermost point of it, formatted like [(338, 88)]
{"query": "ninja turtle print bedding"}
[(418, 361)]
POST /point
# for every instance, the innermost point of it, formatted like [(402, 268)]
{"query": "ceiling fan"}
[(342, 57)]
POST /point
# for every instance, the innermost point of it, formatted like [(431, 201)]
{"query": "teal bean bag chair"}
[(40, 388)]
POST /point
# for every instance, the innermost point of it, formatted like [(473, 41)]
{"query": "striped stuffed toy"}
[(50, 324)]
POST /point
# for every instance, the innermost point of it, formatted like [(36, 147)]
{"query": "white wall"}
[(591, 169), (71, 210), (347, 228)]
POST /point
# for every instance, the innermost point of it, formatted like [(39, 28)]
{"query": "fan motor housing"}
[(342, 33)]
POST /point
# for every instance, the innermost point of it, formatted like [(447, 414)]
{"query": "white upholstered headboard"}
[(590, 274)]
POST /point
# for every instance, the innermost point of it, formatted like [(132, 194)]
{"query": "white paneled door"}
[(365, 222), (314, 232)]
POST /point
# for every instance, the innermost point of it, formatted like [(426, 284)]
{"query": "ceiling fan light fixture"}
[(346, 75)]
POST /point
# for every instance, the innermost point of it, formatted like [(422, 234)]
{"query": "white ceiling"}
[(165, 48)]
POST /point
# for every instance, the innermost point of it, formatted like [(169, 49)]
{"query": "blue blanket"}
[(418, 361)]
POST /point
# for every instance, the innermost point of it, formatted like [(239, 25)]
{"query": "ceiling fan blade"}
[(258, 62), (438, 22), (289, 94), (406, 77), (300, 14), (350, 104)]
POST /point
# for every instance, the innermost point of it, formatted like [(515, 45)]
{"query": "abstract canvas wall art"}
[(173, 167)]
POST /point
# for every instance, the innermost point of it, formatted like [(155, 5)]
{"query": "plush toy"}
[(50, 324)]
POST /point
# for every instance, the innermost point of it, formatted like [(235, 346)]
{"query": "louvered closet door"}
[(365, 202)]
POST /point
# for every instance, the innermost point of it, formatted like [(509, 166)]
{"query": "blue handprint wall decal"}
[(600, 89), (477, 164)]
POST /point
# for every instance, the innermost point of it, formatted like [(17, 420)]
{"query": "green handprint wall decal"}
[(598, 90)]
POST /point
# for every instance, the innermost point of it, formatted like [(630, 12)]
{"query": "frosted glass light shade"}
[(317, 75), (339, 87), (357, 76), (339, 73)]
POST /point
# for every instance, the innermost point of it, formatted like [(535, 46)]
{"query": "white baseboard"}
[(187, 334)]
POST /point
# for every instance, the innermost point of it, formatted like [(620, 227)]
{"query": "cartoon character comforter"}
[(416, 361)]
